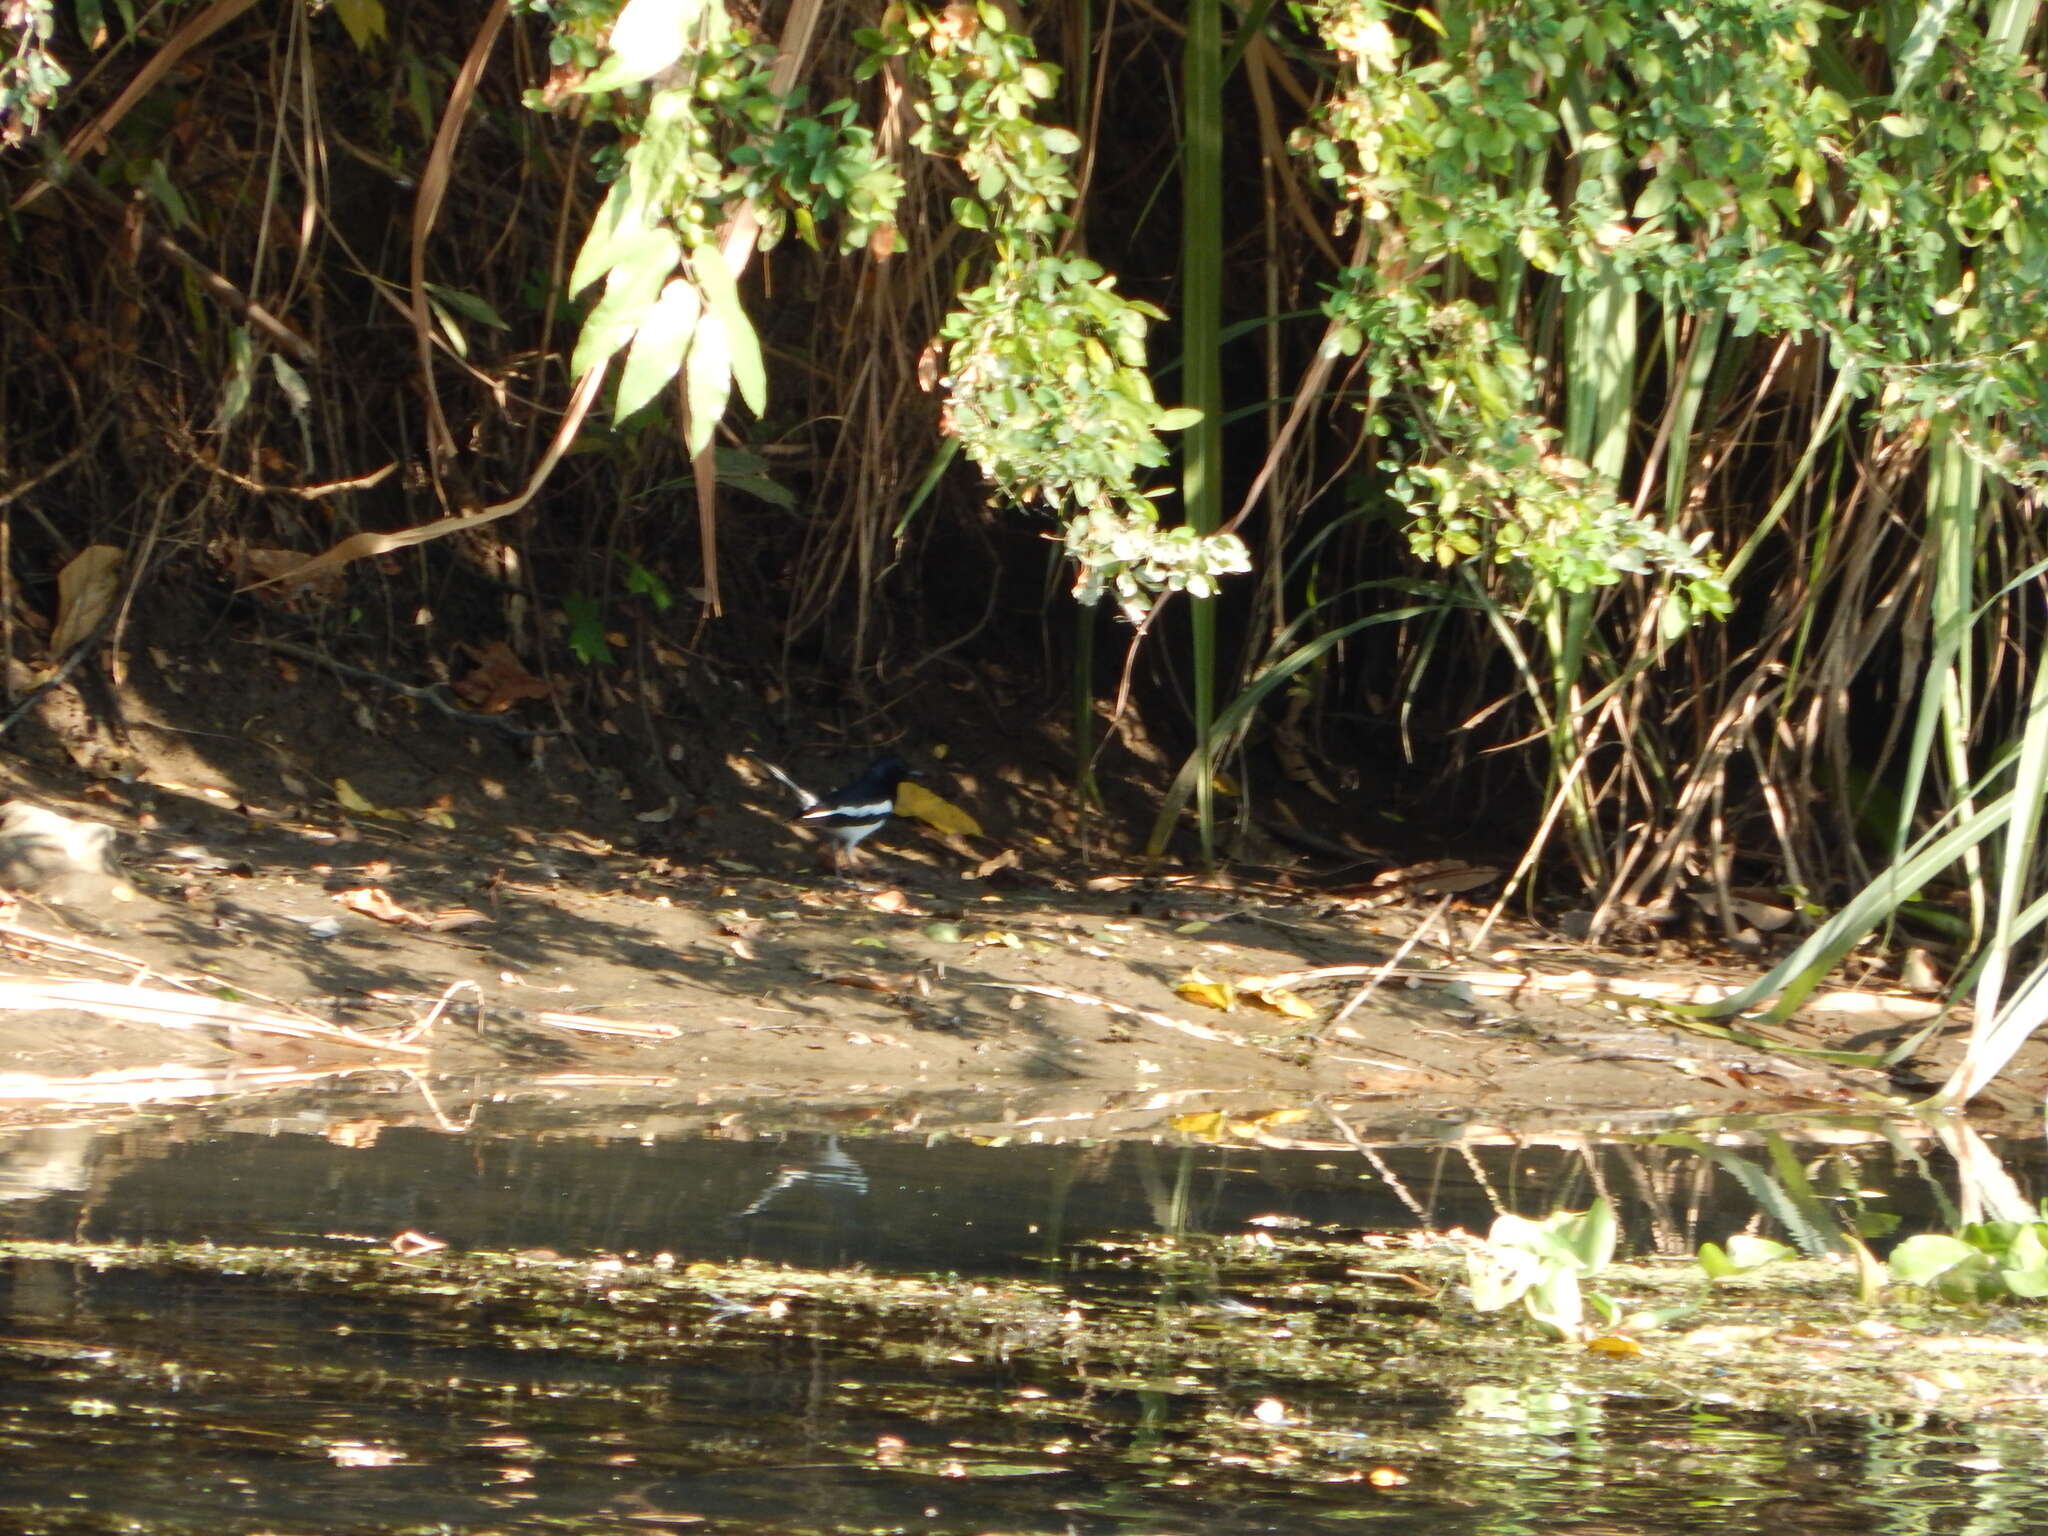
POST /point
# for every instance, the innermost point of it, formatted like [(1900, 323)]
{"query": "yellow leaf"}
[(1197, 988), (1615, 1345), (350, 800), (1206, 1124), (1273, 1117), (1283, 1002), (917, 801)]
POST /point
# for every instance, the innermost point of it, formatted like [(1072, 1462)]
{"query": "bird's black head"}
[(889, 770)]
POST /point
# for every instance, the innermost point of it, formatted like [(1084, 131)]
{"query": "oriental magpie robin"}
[(853, 812)]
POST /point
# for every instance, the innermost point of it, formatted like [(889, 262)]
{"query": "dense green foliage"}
[(1646, 431)]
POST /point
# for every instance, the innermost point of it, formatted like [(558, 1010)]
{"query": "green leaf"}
[(363, 20), (586, 632), (648, 36), (468, 304), (722, 297), (1923, 1259), (1590, 1238), (241, 375), (1179, 419), (658, 347), (708, 381), (630, 293), (292, 383), (160, 186), (1748, 1251), (607, 231)]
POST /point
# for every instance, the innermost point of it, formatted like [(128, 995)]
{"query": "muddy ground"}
[(499, 926)]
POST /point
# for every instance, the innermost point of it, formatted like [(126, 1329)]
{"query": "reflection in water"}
[(169, 1400)]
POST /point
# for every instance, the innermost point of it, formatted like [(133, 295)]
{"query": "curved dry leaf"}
[(1197, 988), (85, 591)]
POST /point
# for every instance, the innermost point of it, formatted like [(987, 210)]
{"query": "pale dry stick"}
[(1372, 983), (139, 971), (419, 1081), (1147, 1015), (415, 1031), (1898, 1007), (581, 1024), (1479, 1176), (1365, 1150), (164, 1009), (155, 1085)]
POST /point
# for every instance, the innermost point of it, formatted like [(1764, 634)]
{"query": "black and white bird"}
[(853, 812)]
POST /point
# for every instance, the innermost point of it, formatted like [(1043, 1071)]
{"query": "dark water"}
[(160, 1399)]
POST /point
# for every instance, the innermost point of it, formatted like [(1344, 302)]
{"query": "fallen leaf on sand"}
[(1197, 988), (351, 799), (85, 590), (499, 681), (914, 800), (375, 901), (1257, 991), (994, 864)]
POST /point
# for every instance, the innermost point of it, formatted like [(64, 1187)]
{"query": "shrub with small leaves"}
[(1046, 388), (30, 77)]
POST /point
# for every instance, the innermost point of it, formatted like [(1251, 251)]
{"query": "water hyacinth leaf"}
[(1926, 1257), (648, 36), (722, 296), (658, 348), (707, 381)]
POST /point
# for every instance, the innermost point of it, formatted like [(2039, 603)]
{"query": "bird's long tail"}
[(805, 799)]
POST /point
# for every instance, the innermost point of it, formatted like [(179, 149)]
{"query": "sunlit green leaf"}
[(658, 348)]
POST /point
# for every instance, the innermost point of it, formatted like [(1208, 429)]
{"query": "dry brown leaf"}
[(499, 681), (251, 566), (85, 591), (374, 901), (1007, 859)]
